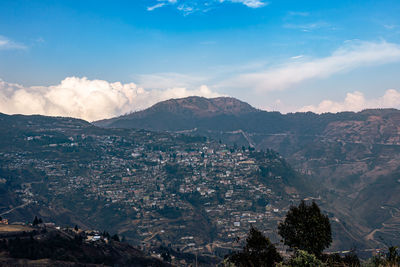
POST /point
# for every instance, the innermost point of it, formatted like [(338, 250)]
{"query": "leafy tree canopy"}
[(306, 228), (258, 251)]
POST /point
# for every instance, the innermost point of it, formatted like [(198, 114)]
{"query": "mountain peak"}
[(180, 113), (203, 107)]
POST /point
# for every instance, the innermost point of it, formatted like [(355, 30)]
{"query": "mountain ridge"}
[(248, 124)]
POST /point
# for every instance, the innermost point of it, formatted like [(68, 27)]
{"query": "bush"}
[(391, 259), (304, 259), (351, 259)]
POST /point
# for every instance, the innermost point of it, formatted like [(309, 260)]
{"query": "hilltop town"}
[(189, 193)]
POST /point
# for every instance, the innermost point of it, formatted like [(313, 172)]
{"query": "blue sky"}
[(276, 55)]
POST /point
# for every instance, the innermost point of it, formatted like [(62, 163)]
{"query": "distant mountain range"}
[(352, 157)]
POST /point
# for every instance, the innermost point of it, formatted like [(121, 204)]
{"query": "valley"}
[(351, 158), (190, 193), (198, 190)]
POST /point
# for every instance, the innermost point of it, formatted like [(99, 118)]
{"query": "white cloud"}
[(189, 6), (7, 44), (298, 13), (297, 57), (356, 101), (348, 57), (308, 26), (390, 26), (186, 9), (151, 8), (249, 3), (86, 99)]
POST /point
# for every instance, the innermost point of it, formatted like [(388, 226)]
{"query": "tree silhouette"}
[(258, 251), (306, 228), (392, 256), (115, 237), (166, 256), (35, 221)]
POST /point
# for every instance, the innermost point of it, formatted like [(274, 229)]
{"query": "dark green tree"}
[(106, 235), (306, 228), (35, 221), (392, 256), (258, 251), (166, 256), (115, 237)]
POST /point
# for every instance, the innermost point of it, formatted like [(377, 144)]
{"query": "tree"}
[(258, 251), (306, 228), (392, 257), (106, 235), (35, 221), (166, 256), (76, 228), (115, 237)]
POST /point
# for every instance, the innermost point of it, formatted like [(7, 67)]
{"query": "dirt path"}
[(18, 207)]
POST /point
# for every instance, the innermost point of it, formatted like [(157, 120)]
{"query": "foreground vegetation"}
[(307, 232)]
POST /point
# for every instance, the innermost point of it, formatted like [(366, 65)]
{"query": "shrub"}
[(304, 259)]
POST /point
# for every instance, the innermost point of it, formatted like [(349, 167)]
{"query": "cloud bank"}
[(356, 101), (98, 99), (87, 99), (348, 57)]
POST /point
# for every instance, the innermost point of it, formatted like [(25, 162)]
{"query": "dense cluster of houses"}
[(166, 181)]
